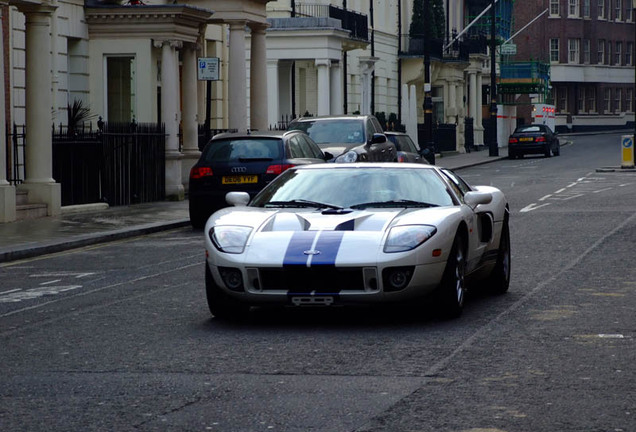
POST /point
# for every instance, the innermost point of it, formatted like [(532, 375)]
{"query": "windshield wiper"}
[(302, 203), (394, 203)]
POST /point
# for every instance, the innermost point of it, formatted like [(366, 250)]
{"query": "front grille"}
[(303, 279)]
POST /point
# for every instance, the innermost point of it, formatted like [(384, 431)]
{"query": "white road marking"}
[(531, 207)]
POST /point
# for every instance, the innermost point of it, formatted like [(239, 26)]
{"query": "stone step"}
[(21, 197), (30, 211)]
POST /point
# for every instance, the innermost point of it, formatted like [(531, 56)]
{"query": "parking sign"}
[(208, 69)]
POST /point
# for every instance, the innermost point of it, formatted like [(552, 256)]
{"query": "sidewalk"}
[(80, 226)]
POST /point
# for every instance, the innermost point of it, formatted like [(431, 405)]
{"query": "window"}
[(600, 56), (554, 50), (618, 94), (591, 99), (586, 51), (629, 54), (629, 12), (586, 8), (573, 50), (554, 7), (573, 9), (619, 10), (618, 53), (629, 100), (607, 99), (562, 101), (601, 9), (580, 103), (120, 87)]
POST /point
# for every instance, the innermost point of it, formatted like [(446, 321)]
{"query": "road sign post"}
[(208, 70), (627, 148)]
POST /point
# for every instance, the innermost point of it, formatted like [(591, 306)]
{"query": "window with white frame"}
[(629, 100), (586, 8), (554, 50), (629, 54), (573, 8), (574, 50), (600, 54), (607, 100), (586, 51), (618, 94), (601, 8), (629, 12), (580, 102), (618, 53), (591, 99), (618, 8), (554, 7)]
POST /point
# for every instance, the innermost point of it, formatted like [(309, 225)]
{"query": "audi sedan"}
[(533, 139), (244, 162)]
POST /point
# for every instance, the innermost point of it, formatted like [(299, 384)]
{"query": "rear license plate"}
[(239, 179), (526, 139)]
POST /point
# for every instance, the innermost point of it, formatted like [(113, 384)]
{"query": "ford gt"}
[(361, 233)]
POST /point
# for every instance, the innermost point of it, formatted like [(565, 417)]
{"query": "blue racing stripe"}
[(328, 244), (300, 242)]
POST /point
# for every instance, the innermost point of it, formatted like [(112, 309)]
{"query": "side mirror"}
[(473, 198), (378, 138), (237, 199), (328, 156)]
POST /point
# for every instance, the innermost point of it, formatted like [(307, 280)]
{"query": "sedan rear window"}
[(529, 129), (227, 150)]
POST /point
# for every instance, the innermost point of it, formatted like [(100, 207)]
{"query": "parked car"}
[(350, 138), (363, 233), (407, 150), (533, 139), (244, 162)]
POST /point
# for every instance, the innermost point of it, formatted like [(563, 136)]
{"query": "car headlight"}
[(407, 237), (230, 238), (347, 157)]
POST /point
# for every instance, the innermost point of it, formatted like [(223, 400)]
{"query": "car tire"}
[(557, 152), (198, 217), (452, 291), (221, 305), (548, 151), (499, 280), (512, 155)]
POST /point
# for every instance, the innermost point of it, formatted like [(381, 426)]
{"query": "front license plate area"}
[(312, 300), (239, 179)]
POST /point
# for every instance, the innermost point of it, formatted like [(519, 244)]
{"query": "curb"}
[(88, 240)]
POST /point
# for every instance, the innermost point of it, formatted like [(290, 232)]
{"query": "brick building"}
[(589, 46)]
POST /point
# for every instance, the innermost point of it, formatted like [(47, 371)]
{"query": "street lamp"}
[(493, 145)]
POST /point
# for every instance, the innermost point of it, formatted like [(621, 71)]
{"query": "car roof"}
[(334, 117), (256, 134), (369, 166)]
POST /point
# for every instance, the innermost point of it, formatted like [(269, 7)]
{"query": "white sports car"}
[(338, 234)]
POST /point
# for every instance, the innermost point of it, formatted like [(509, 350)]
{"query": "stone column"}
[(189, 118), (336, 88), (237, 116), (258, 79), (367, 65), (324, 91), (477, 123), (7, 190), (170, 116), (472, 98), (273, 102), (452, 102), (39, 182)]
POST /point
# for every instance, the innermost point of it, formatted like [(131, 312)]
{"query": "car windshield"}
[(242, 149), (333, 131), (357, 187)]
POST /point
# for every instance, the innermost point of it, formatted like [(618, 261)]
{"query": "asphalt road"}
[(117, 337)]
